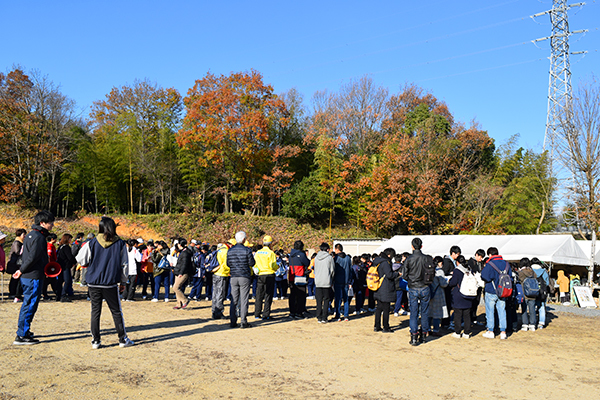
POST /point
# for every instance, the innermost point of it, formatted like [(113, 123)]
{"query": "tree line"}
[(390, 162)]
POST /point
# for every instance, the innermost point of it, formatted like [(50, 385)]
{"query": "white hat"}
[(140, 240), (194, 241), (2, 235)]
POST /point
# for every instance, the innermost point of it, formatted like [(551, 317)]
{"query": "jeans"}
[(220, 284), (435, 323), (341, 294), (493, 302), (528, 312), (419, 298), (311, 287), (164, 279), (399, 294), (240, 293), (541, 307), (67, 289), (32, 290), (196, 288)]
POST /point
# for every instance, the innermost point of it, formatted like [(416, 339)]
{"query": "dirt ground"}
[(182, 354)]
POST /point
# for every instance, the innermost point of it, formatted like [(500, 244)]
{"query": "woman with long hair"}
[(105, 257)]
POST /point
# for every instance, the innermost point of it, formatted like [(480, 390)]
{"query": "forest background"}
[(371, 161)]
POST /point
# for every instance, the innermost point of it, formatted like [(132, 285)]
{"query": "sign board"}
[(584, 296)]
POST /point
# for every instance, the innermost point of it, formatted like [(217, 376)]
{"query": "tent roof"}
[(586, 247), (558, 249)]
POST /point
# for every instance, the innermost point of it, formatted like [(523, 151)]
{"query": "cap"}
[(193, 241), (267, 240), (2, 235), (140, 240), (232, 242)]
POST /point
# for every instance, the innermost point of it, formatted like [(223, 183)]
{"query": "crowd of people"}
[(437, 292)]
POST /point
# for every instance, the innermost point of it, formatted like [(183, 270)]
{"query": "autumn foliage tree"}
[(231, 125)]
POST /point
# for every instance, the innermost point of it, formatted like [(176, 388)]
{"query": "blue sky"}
[(477, 56)]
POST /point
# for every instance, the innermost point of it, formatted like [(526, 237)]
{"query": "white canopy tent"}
[(586, 247), (555, 249)]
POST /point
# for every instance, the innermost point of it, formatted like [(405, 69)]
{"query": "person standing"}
[(221, 276), (106, 259), (161, 270), (418, 291), (491, 275), (76, 271), (31, 273), (65, 258), (540, 302), (183, 270), (462, 304), (134, 257), (343, 268), (240, 261), (297, 276), (387, 291), (266, 266), (14, 262), (324, 271)]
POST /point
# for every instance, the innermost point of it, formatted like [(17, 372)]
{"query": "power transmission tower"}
[(559, 89)]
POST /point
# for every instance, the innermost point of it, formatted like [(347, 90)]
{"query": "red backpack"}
[(505, 287)]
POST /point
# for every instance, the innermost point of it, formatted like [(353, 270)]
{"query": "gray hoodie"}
[(324, 269)]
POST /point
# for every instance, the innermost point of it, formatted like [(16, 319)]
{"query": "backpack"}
[(163, 263), (197, 261), (428, 271), (373, 279), (281, 271), (469, 285), (505, 287), (520, 296), (531, 287)]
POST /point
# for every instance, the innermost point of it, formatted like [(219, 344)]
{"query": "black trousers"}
[(14, 288), (131, 285), (322, 295), (265, 287), (297, 299), (383, 307), (461, 314), (111, 295)]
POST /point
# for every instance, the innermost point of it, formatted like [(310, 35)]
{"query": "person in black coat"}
[(66, 259), (386, 293)]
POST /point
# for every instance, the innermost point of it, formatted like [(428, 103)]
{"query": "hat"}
[(267, 240), (2, 235), (232, 242), (140, 240), (193, 241)]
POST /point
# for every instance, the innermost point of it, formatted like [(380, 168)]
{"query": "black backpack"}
[(428, 271)]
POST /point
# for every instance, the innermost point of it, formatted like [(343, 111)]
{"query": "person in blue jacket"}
[(105, 257), (460, 303), (490, 276), (343, 268)]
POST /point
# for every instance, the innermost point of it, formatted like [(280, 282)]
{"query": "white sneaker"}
[(126, 343), (456, 335), (466, 336), (540, 326), (154, 300), (396, 314), (532, 328), (503, 335), (166, 299), (524, 328), (403, 312), (96, 345), (488, 334)]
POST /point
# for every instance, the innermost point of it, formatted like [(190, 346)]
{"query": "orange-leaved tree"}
[(229, 126)]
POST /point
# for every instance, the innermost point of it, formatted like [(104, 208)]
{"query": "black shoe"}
[(217, 316), (246, 325), (30, 334), (65, 300), (388, 330), (414, 340), (234, 325), (420, 336), (377, 329), (19, 340)]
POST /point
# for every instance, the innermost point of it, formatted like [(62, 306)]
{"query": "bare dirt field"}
[(182, 354)]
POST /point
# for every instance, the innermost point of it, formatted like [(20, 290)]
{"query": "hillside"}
[(213, 228)]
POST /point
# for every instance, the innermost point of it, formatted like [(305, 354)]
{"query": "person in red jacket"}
[(51, 248), (298, 280)]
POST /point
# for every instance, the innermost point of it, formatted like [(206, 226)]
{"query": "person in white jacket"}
[(324, 271), (134, 258)]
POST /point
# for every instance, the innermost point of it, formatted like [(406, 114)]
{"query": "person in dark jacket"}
[(460, 303), (161, 275), (75, 247), (494, 304), (106, 258), (387, 291), (240, 261), (31, 273), (65, 258), (298, 263), (418, 291), (13, 264), (183, 270), (343, 269)]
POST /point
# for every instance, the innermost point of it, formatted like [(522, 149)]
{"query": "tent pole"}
[(592, 260)]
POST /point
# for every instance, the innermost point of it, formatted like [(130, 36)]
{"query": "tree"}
[(134, 133), (230, 125)]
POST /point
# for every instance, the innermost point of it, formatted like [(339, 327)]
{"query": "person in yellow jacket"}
[(265, 268), (563, 287), (220, 280)]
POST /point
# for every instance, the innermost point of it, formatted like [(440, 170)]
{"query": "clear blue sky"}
[(477, 56)]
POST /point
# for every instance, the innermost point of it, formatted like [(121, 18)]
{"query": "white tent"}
[(586, 247), (556, 249)]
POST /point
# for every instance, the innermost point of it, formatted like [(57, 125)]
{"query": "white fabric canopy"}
[(586, 247), (558, 249)]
